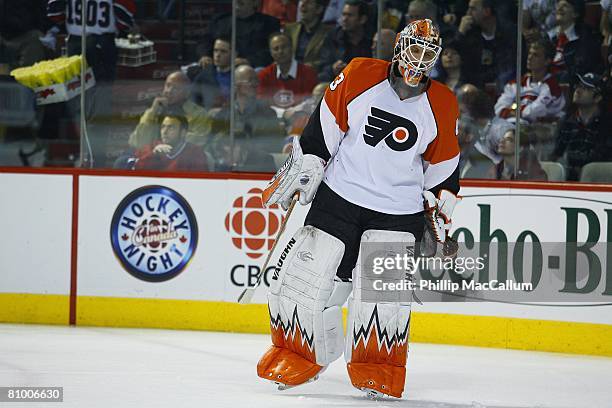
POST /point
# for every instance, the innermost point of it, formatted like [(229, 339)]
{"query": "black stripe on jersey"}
[(451, 183), (313, 140)]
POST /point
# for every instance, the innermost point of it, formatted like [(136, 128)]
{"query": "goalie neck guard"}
[(417, 48)]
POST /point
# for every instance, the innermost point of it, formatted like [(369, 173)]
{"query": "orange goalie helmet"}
[(417, 48)]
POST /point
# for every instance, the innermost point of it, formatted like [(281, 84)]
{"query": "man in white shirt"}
[(541, 95)]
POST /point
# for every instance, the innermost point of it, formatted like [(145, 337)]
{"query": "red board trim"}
[(74, 249), (530, 185)]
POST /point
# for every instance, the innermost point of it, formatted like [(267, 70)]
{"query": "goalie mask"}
[(417, 48)]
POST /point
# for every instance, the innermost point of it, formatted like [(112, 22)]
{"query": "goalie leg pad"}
[(305, 308), (379, 320)]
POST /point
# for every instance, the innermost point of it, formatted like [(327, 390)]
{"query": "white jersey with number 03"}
[(100, 17)]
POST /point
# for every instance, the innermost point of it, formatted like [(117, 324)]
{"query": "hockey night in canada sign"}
[(154, 233)]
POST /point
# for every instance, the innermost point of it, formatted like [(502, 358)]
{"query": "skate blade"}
[(283, 387), (374, 394)]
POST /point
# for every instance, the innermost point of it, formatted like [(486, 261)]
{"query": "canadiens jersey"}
[(382, 152)]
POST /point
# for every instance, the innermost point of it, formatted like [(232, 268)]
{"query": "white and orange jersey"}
[(382, 152)]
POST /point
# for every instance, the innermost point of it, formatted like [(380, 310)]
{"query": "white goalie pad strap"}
[(304, 300), (301, 173), (378, 320)]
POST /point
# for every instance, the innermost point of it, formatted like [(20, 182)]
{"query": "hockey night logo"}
[(154, 233)]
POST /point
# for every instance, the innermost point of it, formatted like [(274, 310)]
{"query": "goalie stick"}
[(247, 295)]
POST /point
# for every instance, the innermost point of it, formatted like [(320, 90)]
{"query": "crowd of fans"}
[(288, 51)]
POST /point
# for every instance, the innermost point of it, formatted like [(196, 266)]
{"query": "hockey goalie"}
[(378, 159)]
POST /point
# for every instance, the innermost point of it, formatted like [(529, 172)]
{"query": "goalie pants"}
[(347, 222)]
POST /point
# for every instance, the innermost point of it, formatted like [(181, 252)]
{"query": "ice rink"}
[(103, 367)]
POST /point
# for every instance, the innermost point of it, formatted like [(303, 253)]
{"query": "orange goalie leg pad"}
[(284, 366), (384, 378)]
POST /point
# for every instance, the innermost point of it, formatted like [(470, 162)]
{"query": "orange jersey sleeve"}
[(330, 121), (442, 154)]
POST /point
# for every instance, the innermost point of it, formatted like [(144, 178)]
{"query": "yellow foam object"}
[(49, 72)]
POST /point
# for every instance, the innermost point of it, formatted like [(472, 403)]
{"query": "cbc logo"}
[(252, 227)]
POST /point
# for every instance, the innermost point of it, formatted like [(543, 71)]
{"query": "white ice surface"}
[(102, 367)]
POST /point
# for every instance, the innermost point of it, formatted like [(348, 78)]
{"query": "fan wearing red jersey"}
[(380, 157)]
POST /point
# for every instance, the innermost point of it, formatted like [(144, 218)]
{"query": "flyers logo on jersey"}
[(399, 133)]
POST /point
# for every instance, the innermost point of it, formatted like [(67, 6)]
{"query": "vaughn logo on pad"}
[(154, 233)]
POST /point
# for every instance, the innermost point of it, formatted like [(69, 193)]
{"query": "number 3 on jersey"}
[(336, 82)]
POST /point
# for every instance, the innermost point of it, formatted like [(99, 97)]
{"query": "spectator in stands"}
[(349, 40), (577, 47), (538, 18), (173, 100), (467, 138), (115, 17), (420, 9), (297, 116), (211, 82), (172, 152), (477, 109), (465, 96), (332, 11), (541, 95), (529, 168), (387, 44), (241, 155), (284, 10), (252, 31), (472, 163), (585, 135), (252, 116), (489, 45), (479, 133), (451, 72), (308, 34), (22, 23), (286, 82)]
